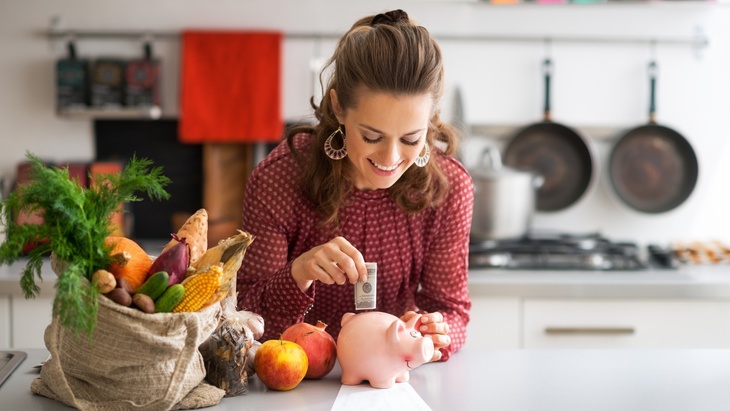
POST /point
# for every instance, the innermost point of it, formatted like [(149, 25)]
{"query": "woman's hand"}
[(334, 262), (433, 325)]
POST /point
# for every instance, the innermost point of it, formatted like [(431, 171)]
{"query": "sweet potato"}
[(195, 232)]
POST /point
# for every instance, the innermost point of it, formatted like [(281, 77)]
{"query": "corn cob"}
[(198, 290), (225, 250), (231, 260)]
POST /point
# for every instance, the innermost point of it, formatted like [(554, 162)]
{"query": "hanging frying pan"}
[(560, 154), (652, 168)]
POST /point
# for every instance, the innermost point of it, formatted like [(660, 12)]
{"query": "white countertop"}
[(505, 380), (693, 282)]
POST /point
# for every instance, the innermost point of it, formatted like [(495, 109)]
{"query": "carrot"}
[(129, 261), (195, 233)]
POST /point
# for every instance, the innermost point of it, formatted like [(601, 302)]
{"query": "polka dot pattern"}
[(422, 258)]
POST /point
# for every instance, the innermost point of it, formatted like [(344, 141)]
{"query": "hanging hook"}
[(652, 49), (548, 44), (147, 45)]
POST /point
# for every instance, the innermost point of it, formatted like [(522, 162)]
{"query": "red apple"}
[(317, 343), (281, 365)]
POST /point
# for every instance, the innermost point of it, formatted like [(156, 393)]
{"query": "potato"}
[(104, 281), (123, 283), (120, 296), (144, 302)]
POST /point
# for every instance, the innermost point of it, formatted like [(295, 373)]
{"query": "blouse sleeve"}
[(265, 284), (444, 284)]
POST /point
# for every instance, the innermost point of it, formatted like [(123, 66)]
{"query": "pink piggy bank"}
[(380, 348)]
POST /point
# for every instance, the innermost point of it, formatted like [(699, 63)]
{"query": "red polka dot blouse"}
[(422, 258)]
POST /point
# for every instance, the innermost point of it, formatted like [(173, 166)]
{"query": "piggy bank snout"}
[(426, 349)]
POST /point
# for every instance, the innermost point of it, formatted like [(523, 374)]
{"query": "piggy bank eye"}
[(415, 334)]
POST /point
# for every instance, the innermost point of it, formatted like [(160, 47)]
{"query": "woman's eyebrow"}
[(375, 130)]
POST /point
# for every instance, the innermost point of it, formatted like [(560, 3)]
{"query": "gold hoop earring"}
[(421, 161), (335, 154)]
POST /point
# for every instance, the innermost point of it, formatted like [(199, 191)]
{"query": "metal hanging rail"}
[(698, 41)]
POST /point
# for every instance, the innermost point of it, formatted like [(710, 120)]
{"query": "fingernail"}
[(424, 328)]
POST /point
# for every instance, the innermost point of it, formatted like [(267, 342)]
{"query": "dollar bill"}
[(366, 292)]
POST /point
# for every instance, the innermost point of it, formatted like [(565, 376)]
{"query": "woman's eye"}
[(410, 142), (370, 139)]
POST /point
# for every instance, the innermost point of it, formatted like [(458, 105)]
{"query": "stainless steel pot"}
[(504, 199)]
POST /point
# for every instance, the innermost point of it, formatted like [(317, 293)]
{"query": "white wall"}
[(594, 85)]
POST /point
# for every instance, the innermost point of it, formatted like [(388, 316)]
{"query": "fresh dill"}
[(76, 222)]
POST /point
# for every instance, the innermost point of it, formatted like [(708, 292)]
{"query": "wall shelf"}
[(698, 41), (87, 113)]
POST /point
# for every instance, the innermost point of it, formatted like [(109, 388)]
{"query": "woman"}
[(367, 183)]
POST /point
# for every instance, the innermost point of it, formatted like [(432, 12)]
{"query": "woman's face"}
[(385, 134)]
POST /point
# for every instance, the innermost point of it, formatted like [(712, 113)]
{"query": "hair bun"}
[(391, 18)]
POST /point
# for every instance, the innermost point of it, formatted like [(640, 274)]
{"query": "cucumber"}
[(155, 285), (170, 298)]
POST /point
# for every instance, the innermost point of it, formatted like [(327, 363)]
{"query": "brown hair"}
[(382, 53)]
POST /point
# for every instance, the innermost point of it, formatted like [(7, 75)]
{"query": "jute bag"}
[(133, 361)]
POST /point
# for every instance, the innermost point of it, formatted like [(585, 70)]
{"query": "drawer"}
[(494, 323), (626, 324)]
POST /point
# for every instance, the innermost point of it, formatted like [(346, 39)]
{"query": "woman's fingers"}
[(440, 340), (349, 259), (334, 262)]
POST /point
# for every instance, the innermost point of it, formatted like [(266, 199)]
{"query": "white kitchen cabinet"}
[(621, 323), (494, 323), (29, 319), (4, 322)]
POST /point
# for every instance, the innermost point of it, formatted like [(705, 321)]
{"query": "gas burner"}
[(557, 251)]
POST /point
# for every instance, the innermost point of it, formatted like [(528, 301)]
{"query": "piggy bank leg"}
[(382, 383), (403, 377), (351, 379)]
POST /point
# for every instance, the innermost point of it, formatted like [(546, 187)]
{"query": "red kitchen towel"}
[(230, 87)]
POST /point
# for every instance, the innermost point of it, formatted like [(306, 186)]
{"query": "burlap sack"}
[(134, 361)]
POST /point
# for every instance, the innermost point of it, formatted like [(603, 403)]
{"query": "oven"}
[(569, 251)]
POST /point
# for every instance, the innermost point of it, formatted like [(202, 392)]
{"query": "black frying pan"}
[(652, 168), (557, 152)]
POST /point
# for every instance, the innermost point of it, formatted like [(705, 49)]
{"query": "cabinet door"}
[(494, 323), (4, 322), (626, 324), (30, 317)]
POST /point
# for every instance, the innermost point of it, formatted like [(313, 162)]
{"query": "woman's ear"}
[(336, 108)]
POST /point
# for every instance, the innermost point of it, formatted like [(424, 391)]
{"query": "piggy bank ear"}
[(345, 318), (394, 330)]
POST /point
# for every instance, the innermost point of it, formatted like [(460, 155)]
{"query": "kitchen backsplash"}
[(596, 84)]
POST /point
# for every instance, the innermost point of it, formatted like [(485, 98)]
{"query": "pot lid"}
[(491, 167)]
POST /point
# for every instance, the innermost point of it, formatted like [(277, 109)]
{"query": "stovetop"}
[(562, 251)]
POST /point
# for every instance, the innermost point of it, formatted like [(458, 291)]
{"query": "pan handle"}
[(547, 68), (652, 92)]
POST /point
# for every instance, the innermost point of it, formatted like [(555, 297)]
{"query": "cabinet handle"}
[(589, 330)]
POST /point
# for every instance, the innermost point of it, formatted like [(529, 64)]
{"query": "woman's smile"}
[(385, 171)]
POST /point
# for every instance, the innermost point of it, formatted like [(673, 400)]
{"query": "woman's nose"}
[(391, 153)]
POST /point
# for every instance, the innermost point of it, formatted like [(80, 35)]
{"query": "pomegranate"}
[(317, 343)]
